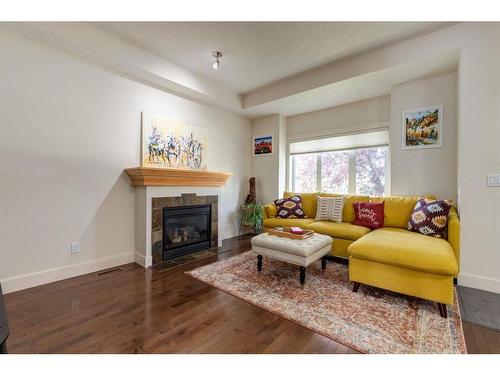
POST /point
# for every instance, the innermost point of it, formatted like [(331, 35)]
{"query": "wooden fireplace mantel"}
[(142, 176)]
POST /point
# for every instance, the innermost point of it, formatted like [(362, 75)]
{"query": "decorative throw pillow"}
[(369, 214), (290, 208), (330, 209), (430, 217)]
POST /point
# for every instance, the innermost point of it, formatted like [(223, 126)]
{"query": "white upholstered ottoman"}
[(299, 252)]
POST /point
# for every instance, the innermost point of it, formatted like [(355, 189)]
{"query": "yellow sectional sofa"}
[(392, 257)]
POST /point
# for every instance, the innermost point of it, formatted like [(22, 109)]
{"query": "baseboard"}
[(479, 282), (142, 260), (55, 274)]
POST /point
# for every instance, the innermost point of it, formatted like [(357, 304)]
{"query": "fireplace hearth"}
[(186, 230)]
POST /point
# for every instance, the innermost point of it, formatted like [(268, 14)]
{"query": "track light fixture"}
[(217, 56)]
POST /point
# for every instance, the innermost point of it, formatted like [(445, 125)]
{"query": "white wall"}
[(363, 115), (432, 170), (478, 144), (269, 172), (68, 129), (478, 132)]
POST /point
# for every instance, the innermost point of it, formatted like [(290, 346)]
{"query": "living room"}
[(250, 187)]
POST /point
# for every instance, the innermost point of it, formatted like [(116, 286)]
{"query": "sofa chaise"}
[(391, 257)]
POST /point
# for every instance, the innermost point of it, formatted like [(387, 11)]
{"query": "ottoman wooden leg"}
[(355, 287), (442, 310), (323, 263), (259, 263), (302, 275)]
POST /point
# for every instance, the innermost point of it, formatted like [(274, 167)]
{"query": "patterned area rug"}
[(370, 321)]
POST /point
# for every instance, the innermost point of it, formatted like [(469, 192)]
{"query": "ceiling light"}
[(217, 56)]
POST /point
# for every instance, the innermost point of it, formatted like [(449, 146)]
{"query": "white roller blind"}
[(341, 142)]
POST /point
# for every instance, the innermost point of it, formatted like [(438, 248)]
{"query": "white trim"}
[(479, 282), (143, 261), (351, 181), (55, 274)]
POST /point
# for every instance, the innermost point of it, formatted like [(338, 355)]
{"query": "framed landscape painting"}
[(168, 143), (422, 128), (262, 145)]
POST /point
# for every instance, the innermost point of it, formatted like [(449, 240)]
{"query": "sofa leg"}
[(259, 263), (443, 311), (355, 287), (302, 275)]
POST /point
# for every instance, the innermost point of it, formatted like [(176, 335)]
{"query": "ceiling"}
[(362, 87), (259, 53)]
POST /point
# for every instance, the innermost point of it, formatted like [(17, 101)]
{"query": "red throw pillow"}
[(290, 208), (369, 214)]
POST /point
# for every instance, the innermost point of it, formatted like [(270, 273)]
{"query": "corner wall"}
[(69, 128), (270, 170), (430, 170)]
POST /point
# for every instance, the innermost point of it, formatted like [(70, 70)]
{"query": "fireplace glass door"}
[(186, 230)]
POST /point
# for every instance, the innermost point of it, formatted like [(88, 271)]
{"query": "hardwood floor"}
[(153, 311)]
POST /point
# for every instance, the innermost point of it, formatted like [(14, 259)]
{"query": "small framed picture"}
[(422, 128), (262, 145)]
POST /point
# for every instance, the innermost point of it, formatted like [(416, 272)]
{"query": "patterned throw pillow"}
[(430, 217), (290, 208), (369, 214), (330, 209)]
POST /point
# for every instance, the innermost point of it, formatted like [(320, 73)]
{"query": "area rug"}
[(370, 321)]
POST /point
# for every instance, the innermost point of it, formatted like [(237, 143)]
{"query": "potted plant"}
[(251, 216)]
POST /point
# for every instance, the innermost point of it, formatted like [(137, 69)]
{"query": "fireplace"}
[(186, 229), (183, 225)]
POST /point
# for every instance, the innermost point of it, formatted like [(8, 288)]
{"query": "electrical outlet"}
[(75, 247), (494, 180)]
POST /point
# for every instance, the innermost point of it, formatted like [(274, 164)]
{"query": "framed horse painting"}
[(168, 143)]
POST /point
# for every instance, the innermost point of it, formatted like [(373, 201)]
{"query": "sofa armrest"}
[(264, 213), (454, 233), (269, 208)]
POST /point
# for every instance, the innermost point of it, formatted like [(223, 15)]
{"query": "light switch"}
[(494, 180)]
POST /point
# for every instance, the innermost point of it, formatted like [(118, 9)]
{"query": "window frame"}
[(352, 168)]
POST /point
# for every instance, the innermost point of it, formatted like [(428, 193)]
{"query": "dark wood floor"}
[(150, 311)]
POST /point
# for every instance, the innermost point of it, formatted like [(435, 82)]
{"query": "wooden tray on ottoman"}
[(285, 232)]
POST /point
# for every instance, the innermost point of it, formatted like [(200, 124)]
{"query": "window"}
[(362, 169)]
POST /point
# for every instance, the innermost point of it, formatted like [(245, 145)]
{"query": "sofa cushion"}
[(348, 212), (277, 222), (429, 217), (402, 248), (309, 202), (290, 208), (330, 209), (344, 230), (397, 210), (369, 214)]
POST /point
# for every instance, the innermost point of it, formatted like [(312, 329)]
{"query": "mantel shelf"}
[(142, 176)]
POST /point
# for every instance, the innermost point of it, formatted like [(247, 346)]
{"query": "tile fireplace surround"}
[(185, 200), (149, 204)]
